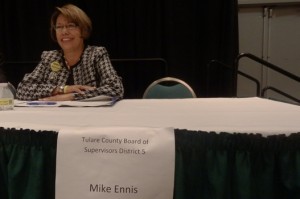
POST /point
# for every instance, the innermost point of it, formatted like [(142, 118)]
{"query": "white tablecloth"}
[(244, 115)]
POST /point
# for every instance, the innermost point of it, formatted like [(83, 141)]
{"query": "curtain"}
[(207, 165), (2, 74), (187, 34), (27, 164), (235, 166)]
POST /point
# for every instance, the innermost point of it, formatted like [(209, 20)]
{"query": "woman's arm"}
[(108, 82), (33, 85)]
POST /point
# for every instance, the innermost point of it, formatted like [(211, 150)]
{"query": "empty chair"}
[(168, 88)]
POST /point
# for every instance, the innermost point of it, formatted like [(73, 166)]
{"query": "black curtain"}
[(187, 34), (2, 75)]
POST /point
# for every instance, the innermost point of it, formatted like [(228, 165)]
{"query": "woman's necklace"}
[(72, 63)]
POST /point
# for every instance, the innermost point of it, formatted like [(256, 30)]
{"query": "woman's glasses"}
[(69, 27)]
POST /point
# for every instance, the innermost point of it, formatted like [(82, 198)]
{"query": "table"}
[(247, 115), (225, 147)]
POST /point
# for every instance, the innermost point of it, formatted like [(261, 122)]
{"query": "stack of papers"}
[(89, 102)]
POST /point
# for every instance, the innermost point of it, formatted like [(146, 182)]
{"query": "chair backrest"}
[(168, 88)]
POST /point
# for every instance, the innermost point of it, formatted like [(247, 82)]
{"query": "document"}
[(97, 101), (115, 163), (97, 98)]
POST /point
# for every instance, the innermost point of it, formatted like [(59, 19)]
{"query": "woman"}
[(75, 72)]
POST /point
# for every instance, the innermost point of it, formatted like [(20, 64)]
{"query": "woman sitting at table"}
[(75, 72)]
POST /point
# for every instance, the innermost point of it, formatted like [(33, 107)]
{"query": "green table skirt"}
[(208, 165)]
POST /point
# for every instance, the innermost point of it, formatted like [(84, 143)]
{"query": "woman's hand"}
[(71, 89), (68, 94), (62, 97)]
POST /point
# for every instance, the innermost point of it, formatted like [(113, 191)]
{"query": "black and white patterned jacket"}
[(94, 69)]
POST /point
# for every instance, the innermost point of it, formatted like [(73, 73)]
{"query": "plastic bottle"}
[(6, 97)]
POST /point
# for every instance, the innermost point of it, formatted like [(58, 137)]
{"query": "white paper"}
[(98, 98), (19, 103), (115, 162)]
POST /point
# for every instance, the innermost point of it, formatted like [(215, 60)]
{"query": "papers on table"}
[(97, 101), (97, 98)]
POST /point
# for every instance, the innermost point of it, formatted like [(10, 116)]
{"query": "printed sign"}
[(115, 163)]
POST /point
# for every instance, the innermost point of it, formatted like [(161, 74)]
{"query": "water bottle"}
[(6, 97)]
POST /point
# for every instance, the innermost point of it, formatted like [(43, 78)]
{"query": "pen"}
[(40, 103)]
